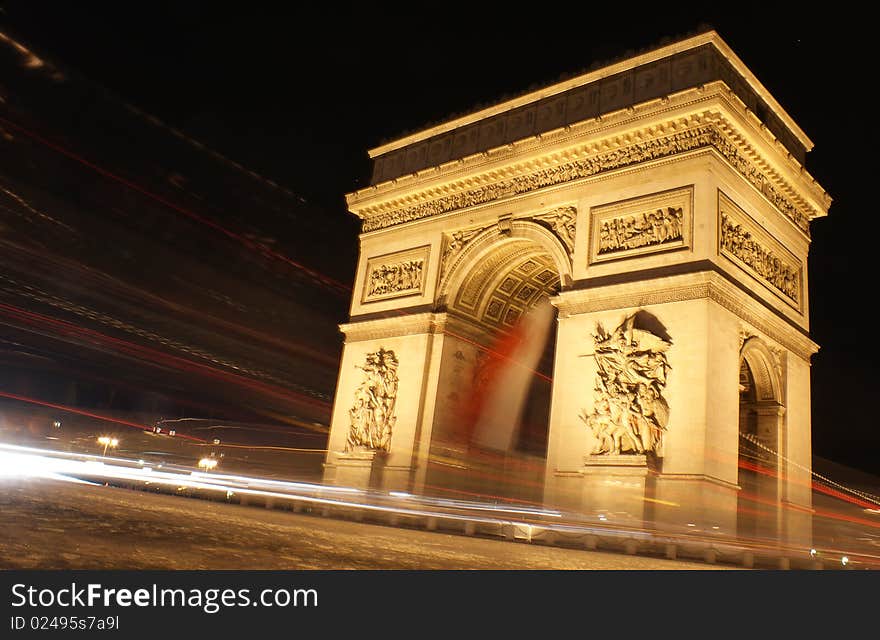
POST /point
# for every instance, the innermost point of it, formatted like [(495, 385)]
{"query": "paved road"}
[(47, 524)]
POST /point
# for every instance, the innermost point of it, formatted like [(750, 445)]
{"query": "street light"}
[(107, 441), (208, 463)]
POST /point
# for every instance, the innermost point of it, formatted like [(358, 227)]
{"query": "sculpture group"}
[(630, 414), (641, 230), (395, 278), (739, 242), (372, 414)]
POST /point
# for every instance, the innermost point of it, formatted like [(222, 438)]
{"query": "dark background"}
[(300, 95)]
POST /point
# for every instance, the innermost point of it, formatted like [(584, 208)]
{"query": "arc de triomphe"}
[(662, 206)]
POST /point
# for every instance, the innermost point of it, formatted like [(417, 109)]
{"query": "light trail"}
[(864, 496), (51, 264), (522, 522), (31, 462), (42, 297), (98, 416), (261, 248), (146, 428), (312, 430), (330, 282), (268, 447), (500, 356), (334, 285), (152, 355)]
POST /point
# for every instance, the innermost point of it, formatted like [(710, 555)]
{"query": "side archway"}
[(759, 359), (761, 442)]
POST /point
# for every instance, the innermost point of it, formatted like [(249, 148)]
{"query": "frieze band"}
[(741, 239), (740, 243), (662, 147)]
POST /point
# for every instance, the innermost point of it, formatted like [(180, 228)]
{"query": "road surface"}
[(47, 524)]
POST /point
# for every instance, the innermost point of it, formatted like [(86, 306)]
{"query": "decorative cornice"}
[(534, 175), (708, 285), (698, 477), (686, 134), (416, 324), (394, 326), (771, 185)]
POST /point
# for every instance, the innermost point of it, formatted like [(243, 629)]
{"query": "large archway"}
[(647, 207), (493, 401), (760, 442)]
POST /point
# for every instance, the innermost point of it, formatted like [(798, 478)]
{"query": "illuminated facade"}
[(662, 206)]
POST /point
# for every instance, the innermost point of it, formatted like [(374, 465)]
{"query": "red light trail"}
[(333, 284), (151, 355), (61, 407)]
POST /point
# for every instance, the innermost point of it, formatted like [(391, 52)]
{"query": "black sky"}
[(299, 95)]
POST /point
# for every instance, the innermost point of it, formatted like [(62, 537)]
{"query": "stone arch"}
[(494, 387), (760, 361), (500, 239), (761, 442)]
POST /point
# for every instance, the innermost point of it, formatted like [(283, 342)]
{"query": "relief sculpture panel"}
[(658, 222), (396, 275), (742, 240), (372, 415), (563, 221), (630, 414), (454, 243)]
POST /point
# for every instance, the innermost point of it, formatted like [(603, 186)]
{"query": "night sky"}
[(300, 96)]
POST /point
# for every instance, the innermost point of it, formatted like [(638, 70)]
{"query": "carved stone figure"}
[(563, 222), (454, 245), (739, 242), (644, 229), (630, 413), (372, 414), (398, 277)]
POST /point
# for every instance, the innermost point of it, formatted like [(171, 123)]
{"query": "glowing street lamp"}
[(207, 464), (107, 441)]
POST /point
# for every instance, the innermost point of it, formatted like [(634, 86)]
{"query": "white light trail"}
[(72, 467)]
